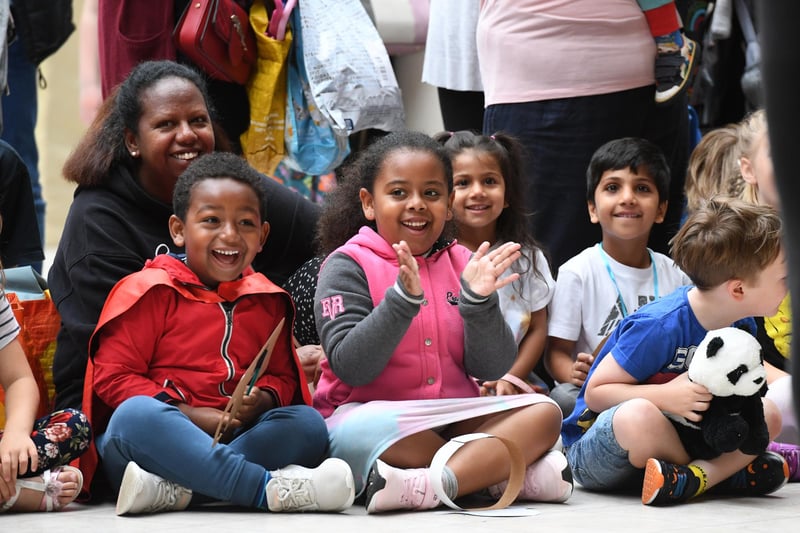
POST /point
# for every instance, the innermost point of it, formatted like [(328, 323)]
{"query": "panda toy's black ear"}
[(714, 346)]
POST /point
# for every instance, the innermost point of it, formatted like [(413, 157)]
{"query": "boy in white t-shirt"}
[(627, 191)]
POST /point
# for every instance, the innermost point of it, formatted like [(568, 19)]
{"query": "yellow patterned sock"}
[(700, 474)]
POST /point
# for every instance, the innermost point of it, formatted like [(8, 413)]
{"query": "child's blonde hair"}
[(715, 164), (727, 238), (751, 132), (714, 167)]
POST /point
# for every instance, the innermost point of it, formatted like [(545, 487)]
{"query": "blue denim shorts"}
[(599, 463)]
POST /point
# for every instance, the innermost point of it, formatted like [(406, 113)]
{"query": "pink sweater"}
[(428, 362)]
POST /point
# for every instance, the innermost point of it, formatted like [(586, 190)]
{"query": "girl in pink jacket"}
[(408, 320)]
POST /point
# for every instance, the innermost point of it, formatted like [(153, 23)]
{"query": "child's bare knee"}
[(773, 418), (636, 418)]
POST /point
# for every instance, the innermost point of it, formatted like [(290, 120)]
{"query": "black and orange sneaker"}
[(767, 473), (667, 484)]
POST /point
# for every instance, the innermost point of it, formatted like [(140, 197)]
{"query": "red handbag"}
[(216, 35)]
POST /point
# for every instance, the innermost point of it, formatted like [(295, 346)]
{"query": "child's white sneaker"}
[(328, 487), (143, 492)]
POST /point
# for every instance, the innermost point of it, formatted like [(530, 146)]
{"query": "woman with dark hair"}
[(145, 135)]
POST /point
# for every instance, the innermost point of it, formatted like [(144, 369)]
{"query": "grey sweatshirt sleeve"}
[(489, 345), (358, 339)]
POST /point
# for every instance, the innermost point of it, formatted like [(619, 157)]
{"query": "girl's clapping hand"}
[(482, 273), (409, 269)]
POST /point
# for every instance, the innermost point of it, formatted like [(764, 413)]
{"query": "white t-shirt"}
[(518, 302), (9, 329), (585, 306), (532, 50), (451, 54)]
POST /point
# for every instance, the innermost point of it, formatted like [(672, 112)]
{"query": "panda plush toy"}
[(728, 362)]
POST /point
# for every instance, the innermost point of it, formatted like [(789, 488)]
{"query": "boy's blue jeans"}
[(599, 463), (163, 441)]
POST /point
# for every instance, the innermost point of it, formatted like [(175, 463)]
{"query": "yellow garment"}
[(779, 327), (263, 142)]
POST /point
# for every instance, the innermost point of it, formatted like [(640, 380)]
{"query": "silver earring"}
[(134, 153)]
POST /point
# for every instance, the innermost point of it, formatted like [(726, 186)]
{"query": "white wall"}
[(421, 100)]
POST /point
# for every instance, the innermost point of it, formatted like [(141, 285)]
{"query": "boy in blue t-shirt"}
[(617, 437)]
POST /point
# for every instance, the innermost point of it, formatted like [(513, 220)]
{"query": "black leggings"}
[(461, 110)]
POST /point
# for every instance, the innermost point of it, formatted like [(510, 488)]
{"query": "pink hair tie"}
[(518, 383), (492, 137)]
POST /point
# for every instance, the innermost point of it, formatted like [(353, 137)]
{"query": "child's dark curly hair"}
[(218, 165), (342, 216), (513, 224)]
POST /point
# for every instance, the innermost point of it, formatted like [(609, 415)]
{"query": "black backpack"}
[(42, 26)]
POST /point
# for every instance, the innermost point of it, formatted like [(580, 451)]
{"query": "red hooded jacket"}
[(163, 334)]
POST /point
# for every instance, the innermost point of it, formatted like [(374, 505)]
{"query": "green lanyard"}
[(614, 279)]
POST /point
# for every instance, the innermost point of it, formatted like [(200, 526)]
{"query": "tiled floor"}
[(584, 512)]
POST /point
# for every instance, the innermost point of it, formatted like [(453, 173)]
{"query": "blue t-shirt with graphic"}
[(653, 345)]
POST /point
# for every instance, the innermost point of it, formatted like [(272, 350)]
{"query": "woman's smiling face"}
[(173, 130)]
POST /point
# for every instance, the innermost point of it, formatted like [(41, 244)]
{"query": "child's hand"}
[(483, 271), (207, 419), (16, 449), (409, 269), (253, 405), (684, 398), (502, 387), (498, 388), (311, 356), (580, 368), (7, 489)]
